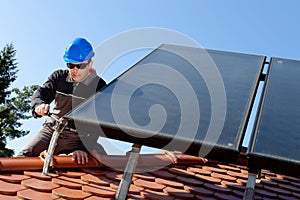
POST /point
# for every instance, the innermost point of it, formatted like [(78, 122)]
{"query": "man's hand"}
[(80, 156), (42, 109)]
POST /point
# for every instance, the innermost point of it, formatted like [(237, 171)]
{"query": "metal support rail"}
[(128, 173)]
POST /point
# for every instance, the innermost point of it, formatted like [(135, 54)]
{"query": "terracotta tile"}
[(279, 180), (70, 193), (238, 174), (73, 180), (33, 194), (227, 183), (244, 172), (230, 168), (155, 195), (238, 193), (217, 188), (287, 197), (289, 178), (40, 176), (289, 187), (189, 181), (98, 198), (67, 184), (98, 180), (242, 181), (99, 190), (208, 178), (114, 176), (39, 185), (170, 183), (236, 187), (133, 189), (214, 169), (198, 190), (145, 176), (13, 178), (163, 174), (199, 171), (268, 182), (8, 197), (178, 193), (200, 197), (296, 194), (71, 174), (223, 196), (277, 190), (148, 185), (296, 184), (223, 176), (181, 172), (266, 193), (134, 197), (10, 188), (94, 171)]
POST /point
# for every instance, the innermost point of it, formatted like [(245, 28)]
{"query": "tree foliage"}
[(14, 102)]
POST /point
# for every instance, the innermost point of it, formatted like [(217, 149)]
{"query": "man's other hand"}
[(42, 109), (80, 156)]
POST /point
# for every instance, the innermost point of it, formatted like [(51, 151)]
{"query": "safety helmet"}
[(78, 51)]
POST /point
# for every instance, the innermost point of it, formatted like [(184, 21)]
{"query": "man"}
[(67, 88)]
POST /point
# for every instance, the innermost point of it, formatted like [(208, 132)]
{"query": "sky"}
[(41, 30)]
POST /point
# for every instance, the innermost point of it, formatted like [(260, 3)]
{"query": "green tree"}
[(14, 103)]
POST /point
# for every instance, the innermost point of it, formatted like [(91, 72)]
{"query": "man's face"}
[(80, 71)]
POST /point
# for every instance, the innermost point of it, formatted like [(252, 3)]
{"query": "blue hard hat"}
[(78, 51)]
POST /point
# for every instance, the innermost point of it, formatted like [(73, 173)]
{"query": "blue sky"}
[(41, 30)]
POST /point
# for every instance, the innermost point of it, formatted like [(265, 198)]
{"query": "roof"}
[(160, 176)]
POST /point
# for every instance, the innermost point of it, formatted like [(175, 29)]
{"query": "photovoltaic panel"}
[(177, 98), (276, 141)]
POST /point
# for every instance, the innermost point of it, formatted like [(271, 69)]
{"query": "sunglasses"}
[(78, 66)]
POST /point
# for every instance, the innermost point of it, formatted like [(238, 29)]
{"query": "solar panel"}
[(276, 141), (178, 98)]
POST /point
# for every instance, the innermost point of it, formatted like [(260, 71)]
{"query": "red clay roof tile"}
[(223, 196), (178, 193), (33, 194), (217, 188), (149, 185), (169, 183), (40, 176), (70, 193), (13, 178), (39, 185), (163, 174), (208, 178), (266, 194), (67, 184), (223, 176), (99, 190), (154, 195), (145, 176), (8, 197), (199, 170), (71, 174), (114, 176), (133, 189), (184, 179), (189, 181), (10, 188), (198, 190), (99, 180), (237, 174), (181, 172)]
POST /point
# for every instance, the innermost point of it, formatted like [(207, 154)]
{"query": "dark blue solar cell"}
[(277, 136)]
